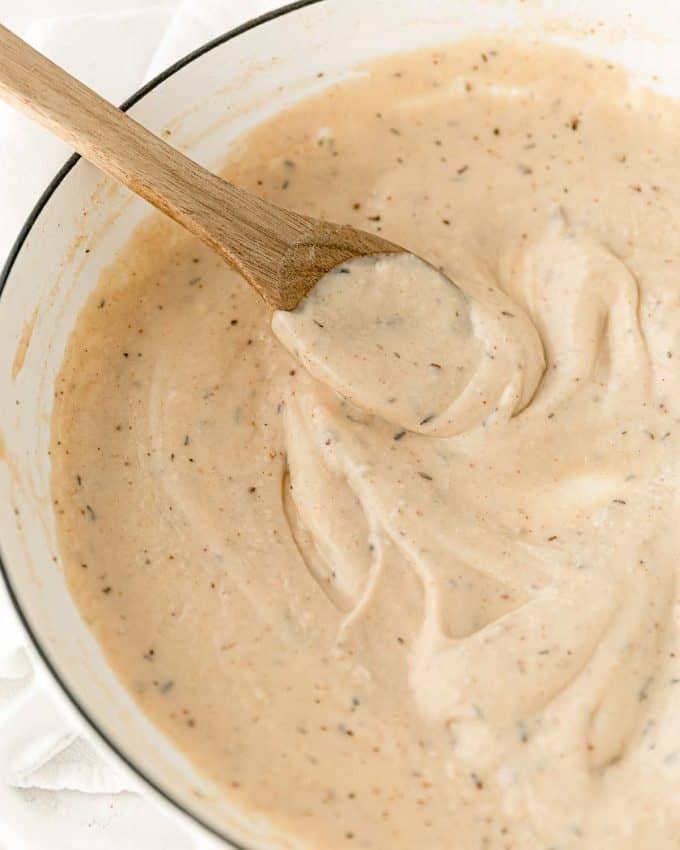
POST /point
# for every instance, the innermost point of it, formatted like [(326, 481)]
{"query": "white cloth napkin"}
[(56, 791)]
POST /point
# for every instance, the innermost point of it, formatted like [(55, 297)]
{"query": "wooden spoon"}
[(282, 254)]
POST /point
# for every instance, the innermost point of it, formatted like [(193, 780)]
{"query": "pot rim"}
[(32, 219)]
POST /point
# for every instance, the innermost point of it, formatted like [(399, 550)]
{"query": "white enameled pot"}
[(82, 221)]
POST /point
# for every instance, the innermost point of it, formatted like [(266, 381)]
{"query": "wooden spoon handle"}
[(264, 242)]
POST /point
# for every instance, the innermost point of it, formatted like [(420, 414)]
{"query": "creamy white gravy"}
[(400, 340), (416, 585)]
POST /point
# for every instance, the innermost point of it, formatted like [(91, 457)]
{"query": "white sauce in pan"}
[(413, 584)]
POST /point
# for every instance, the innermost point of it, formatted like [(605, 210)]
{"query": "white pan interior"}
[(86, 220)]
